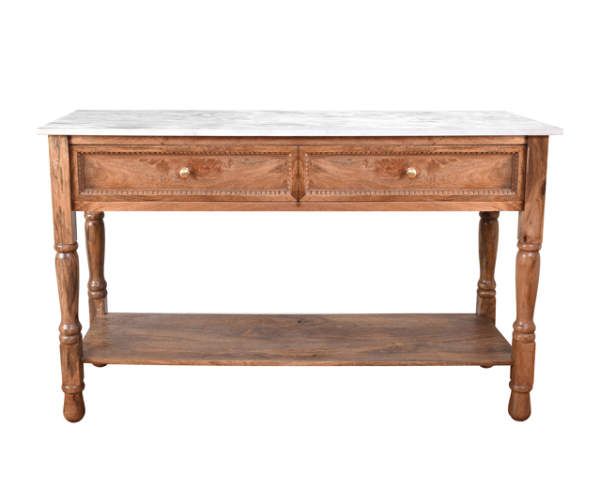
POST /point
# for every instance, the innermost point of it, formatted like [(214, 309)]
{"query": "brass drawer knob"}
[(185, 172), (411, 172)]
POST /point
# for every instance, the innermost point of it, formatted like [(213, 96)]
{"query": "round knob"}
[(185, 172), (411, 172)]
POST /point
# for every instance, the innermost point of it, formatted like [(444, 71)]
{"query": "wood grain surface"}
[(345, 339)]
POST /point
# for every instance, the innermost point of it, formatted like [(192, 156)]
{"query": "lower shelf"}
[(332, 339)]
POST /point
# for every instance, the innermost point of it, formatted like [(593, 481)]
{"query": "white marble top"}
[(293, 123)]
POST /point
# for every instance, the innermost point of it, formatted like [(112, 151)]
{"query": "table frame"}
[(531, 213)]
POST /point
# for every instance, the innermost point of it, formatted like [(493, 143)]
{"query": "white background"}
[(300, 434)]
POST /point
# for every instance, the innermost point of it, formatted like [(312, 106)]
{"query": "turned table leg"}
[(488, 248), (94, 239), (531, 220), (67, 274)]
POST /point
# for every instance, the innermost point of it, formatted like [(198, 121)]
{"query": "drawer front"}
[(409, 174), (205, 174)]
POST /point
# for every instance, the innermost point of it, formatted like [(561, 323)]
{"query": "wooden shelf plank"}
[(333, 339)]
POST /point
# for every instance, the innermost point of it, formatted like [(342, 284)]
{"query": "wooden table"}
[(297, 161)]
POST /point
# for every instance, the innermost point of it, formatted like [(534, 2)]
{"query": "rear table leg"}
[(488, 249), (94, 239)]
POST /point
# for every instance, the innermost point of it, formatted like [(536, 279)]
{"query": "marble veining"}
[(294, 123)]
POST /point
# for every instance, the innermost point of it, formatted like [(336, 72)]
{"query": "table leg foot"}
[(74, 408), (519, 406)]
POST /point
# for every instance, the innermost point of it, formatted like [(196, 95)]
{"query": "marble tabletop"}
[(294, 123)]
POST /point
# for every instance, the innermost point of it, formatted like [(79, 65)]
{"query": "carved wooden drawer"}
[(184, 173), (346, 173)]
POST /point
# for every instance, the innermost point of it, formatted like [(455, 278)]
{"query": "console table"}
[(297, 161)]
